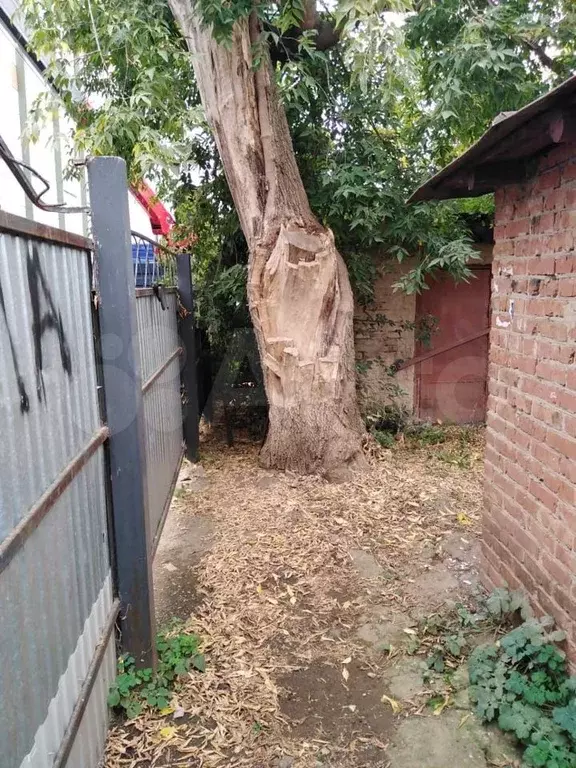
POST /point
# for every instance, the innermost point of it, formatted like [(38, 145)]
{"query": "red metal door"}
[(451, 386)]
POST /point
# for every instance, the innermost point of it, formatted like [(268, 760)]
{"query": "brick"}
[(531, 427), (527, 502), (547, 350), (570, 197), (565, 220), (552, 200), (500, 198), (567, 493), (565, 600), (551, 371), (567, 354), (547, 456), (543, 494), (516, 473), (517, 227), (561, 443), (553, 329), (565, 264), (520, 438), (505, 484), (547, 414), (522, 363), (544, 390), (550, 606), (548, 180), (519, 210), (557, 571), (561, 242), (567, 514), (550, 287), (567, 400), (543, 222), (542, 265), (567, 287)]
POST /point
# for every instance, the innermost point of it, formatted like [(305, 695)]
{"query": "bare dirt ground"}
[(307, 594)]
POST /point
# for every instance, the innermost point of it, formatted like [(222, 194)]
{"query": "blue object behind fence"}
[(147, 270)]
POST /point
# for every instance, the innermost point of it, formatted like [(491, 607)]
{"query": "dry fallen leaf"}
[(265, 540), (395, 705), (168, 732), (440, 707), (345, 674)]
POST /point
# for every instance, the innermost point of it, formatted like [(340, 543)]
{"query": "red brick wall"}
[(530, 520), (378, 346)]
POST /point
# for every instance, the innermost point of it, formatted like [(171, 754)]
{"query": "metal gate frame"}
[(124, 391)]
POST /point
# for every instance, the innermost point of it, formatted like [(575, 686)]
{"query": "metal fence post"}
[(123, 401), (189, 372)]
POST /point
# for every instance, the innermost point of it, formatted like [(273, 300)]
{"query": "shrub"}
[(522, 683), (134, 688)]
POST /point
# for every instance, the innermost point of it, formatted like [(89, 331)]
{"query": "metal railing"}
[(152, 263)]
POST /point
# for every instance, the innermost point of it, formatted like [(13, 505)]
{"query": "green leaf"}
[(114, 697), (199, 662)]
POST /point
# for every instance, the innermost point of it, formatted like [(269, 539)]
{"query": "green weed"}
[(522, 683), (134, 689)]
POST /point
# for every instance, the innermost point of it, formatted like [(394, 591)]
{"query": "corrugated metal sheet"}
[(158, 335), (87, 749), (48, 284), (55, 592), (91, 735)]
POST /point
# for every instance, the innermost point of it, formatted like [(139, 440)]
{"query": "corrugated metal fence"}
[(160, 352), (56, 599), (92, 439)]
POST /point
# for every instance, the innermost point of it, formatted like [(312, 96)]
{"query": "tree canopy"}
[(378, 96)]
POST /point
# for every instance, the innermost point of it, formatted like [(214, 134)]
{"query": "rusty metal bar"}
[(140, 292), (446, 348), (67, 743), (155, 243), (18, 225), (16, 167), (157, 373), (18, 536)]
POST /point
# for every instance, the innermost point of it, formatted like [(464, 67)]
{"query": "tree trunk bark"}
[(299, 293)]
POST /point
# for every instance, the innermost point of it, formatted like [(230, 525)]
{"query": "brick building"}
[(529, 160)]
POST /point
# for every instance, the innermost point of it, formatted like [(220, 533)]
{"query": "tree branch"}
[(546, 60)]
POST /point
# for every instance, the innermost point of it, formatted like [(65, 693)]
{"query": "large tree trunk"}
[(299, 293)]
